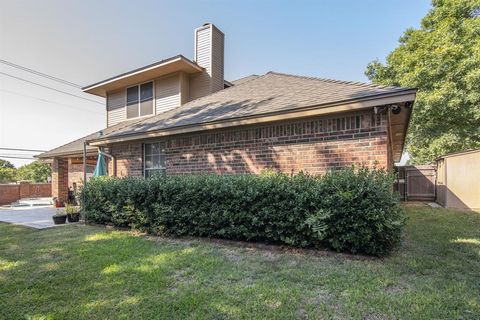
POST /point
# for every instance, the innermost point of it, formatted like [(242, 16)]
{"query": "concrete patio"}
[(33, 217)]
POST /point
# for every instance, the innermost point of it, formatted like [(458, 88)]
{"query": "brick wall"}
[(12, 192), (128, 158), (75, 174), (60, 178), (314, 145)]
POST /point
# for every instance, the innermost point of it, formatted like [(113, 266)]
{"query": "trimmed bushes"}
[(346, 210)]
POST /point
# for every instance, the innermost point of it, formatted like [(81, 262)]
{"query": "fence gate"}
[(417, 182)]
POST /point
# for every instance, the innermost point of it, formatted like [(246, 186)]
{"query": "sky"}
[(85, 41)]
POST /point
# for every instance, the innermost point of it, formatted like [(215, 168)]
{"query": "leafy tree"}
[(36, 171), (7, 175), (6, 164), (442, 60)]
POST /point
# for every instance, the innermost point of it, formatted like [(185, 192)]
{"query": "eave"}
[(175, 64)]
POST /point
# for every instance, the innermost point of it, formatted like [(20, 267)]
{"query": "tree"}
[(36, 171), (6, 164), (442, 60), (7, 175)]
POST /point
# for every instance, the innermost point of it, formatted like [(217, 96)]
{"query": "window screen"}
[(154, 160), (140, 100), (146, 99)]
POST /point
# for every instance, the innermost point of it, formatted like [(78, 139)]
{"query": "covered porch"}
[(68, 174)]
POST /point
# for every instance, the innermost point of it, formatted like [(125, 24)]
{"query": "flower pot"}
[(73, 217), (59, 219)]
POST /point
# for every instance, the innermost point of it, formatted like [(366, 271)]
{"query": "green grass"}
[(86, 272)]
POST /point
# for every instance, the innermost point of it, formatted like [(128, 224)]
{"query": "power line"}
[(15, 149), (24, 158), (47, 87), (41, 74), (19, 155), (49, 101)]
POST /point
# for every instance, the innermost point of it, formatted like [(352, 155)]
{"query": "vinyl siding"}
[(200, 83), (184, 88), (167, 93), (217, 60), (116, 107)]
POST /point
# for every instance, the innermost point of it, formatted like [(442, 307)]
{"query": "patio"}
[(33, 217)]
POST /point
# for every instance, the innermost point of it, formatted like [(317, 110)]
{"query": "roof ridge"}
[(356, 83)]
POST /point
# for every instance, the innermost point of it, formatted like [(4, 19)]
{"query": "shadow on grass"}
[(108, 273), (88, 272)]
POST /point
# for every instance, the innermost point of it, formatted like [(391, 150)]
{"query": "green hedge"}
[(346, 210)]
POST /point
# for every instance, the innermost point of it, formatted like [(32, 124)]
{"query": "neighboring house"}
[(458, 180), (179, 116)]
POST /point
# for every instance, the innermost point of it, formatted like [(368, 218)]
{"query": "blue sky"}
[(87, 41)]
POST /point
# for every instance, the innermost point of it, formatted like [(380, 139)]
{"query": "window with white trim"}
[(140, 100), (154, 159)]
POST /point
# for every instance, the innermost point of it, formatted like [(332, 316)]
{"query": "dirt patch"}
[(377, 316)]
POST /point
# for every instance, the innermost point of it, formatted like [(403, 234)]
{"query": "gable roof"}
[(263, 95)]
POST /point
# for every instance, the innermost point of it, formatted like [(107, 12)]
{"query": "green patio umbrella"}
[(101, 168)]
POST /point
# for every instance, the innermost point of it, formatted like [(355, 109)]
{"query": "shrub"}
[(347, 210)]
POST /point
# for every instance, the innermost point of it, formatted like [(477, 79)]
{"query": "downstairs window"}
[(154, 159)]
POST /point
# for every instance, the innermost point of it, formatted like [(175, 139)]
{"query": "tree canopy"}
[(442, 60), (6, 164), (36, 171)]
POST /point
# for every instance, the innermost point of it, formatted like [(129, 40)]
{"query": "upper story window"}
[(140, 100)]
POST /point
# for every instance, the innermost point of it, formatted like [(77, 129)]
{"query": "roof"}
[(458, 153), (76, 146), (245, 79), (263, 95), (146, 73), (258, 96)]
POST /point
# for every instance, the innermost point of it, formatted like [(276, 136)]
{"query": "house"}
[(180, 116), (458, 180)]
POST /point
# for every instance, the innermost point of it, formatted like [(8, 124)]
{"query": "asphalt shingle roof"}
[(254, 96), (272, 92), (76, 146)]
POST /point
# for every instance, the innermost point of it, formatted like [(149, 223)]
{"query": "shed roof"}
[(458, 153)]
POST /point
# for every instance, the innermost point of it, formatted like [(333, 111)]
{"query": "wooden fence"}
[(417, 183)]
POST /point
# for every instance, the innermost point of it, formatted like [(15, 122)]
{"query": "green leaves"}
[(442, 60), (352, 210)]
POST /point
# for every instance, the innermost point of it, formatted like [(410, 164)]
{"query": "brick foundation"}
[(314, 145)]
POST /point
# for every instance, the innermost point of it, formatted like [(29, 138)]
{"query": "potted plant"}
[(73, 213), (59, 217), (58, 203)]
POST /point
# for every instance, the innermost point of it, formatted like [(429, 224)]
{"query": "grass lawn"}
[(86, 272)]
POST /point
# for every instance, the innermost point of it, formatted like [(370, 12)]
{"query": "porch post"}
[(84, 163), (84, 174)]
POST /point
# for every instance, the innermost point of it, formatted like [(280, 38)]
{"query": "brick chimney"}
[(209, 54)]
